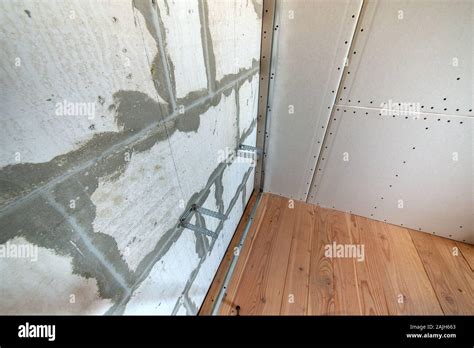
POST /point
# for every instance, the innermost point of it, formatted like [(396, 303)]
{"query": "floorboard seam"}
[(426, 272)]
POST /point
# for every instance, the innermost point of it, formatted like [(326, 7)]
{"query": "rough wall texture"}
[(116, 116)]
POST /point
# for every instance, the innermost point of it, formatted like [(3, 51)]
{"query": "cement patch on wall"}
[(183, 42), (102, 200), (43, 68), (223, 19), (57, 290), (147, 186)]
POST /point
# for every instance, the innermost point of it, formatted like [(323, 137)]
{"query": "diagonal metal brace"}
[(199, 229), (214, 214)]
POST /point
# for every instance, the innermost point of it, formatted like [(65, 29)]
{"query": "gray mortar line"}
[(87, 242), (220, 226), (182, 300), (161, 49), (162, 52), (231, 206), (166, 244), (237, 121), (204, 27), (225, 87), (229, 209), (126, 142), (144, 274), (164, 62), (130, 140)]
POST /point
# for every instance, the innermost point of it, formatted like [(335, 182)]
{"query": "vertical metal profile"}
[(235, 258), (324, 145), (268, 15)]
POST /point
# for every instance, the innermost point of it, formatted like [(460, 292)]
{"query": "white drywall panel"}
[(395, 150), (311, 40), (414, 171), (418, 52)]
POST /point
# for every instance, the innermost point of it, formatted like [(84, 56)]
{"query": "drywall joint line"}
[(403, 113), (87, 242), (230, 271), (126, 142), (329, 124), (304, 189), (266, 54)]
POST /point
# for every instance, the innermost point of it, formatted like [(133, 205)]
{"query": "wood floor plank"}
[(227, 304), (394, 265), (251, 294), (346, 292), (261, 288), (467, 251), (321, 286), (401, 271), (370, 272), (295, 296), (208, 304), (406, 274), (448, 271), (272, 292)]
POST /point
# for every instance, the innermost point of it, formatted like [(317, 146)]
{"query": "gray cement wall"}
[(116, 116)]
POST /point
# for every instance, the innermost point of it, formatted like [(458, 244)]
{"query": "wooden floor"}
[(284, 267)]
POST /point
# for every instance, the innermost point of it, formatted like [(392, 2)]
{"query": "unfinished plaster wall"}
[(116, 116)]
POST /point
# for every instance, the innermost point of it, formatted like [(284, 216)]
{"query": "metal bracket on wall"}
[(250, 148), (268, 14), (183, 220), (199, 229)]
